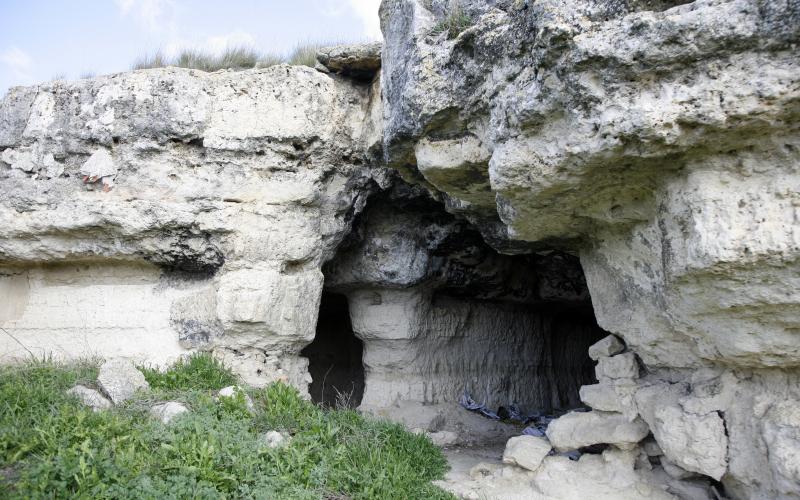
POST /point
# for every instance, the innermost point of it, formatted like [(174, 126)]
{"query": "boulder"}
[(578, 429), (616, 395), (168, 411), (606, 347), (526, 451), (232, 391), (90, 397), (601, 397), (120, 379), (275, 439), (697, 443)]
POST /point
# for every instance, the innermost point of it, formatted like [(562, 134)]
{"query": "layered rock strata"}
[(651, 146), (659, 140), (228, 191)]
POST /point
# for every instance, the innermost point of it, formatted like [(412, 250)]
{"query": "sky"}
[(45, 39)]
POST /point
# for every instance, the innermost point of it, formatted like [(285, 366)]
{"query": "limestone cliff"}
[(659, 140), (495, 200)]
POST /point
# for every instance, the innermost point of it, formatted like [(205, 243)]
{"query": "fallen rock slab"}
[(360, 61), (526, 451), (578, 429), (120, 379)]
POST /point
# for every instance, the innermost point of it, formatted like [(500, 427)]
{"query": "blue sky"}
[(41, 39)]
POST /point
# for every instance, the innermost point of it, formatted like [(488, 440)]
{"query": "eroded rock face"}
[(627, 132), (148, 213), (155, 212)]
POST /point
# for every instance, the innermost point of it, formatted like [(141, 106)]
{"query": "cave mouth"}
[(335, 356), (442, 313)]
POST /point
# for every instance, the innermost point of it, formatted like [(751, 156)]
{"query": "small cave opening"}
[(442, 314), (335, 356)]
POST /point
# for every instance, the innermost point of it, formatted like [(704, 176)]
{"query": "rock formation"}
[(503, 193)]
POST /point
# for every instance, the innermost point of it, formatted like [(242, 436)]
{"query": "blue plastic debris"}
[(533, 431), (472, 405)]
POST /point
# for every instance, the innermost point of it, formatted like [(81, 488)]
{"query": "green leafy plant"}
[(51, 446), (199, 371)]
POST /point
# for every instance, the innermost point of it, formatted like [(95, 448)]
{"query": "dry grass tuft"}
[(235, 58)]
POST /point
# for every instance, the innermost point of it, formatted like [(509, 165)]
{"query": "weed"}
[(51, 446), (236, 58), (456, 21), (200, 371)]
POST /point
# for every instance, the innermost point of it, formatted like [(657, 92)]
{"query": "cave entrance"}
[(335, 356), (441, 313)]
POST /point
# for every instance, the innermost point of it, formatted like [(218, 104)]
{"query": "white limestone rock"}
[(606, 347), (90, 397), (98, 166), (621, 366), (234, 391), (275, 439), (694, 440), (601, 397), (164, 256), (697, 443), (578, 429), (526, 451), (166, 412), (681, 187), (119, 379), (610, 476)]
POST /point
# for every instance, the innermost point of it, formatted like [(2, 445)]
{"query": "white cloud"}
[(155, 15), (17, 59), (367, 11), (19, 63)]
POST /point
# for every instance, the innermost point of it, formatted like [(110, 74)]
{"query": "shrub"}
[(456, 21)]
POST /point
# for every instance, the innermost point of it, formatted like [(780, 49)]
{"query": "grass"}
[(456, 21), (53, 447), (197, 372), (236, 58)]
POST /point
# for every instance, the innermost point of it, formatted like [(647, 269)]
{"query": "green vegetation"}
[(453, 23), (51, 446), (236, 58), (197, 372)]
